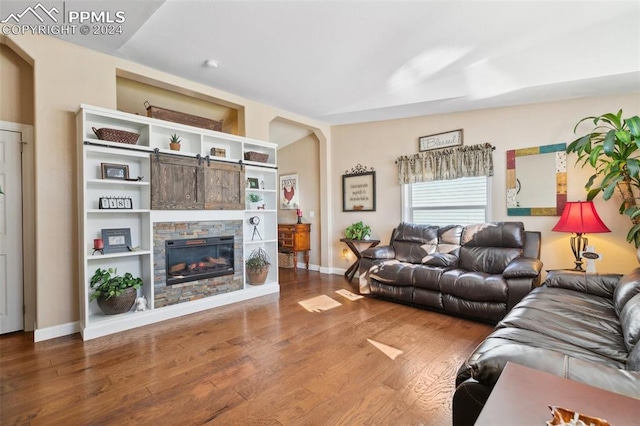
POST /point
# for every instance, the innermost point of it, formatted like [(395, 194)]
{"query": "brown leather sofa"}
[(478, 271), (584, 327)]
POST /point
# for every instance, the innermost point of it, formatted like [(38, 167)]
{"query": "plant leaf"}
[(633, 166), (592, 194), (609, 143), (633, 124)]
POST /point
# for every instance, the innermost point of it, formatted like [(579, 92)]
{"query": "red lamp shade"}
[(580, 217)]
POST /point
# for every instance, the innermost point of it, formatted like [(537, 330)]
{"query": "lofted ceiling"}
[(357, 61)]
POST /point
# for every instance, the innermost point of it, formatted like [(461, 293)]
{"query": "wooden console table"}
[(355, 250), (522, 396), (295, 238)]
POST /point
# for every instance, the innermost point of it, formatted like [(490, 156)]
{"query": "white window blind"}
[(459, 201)]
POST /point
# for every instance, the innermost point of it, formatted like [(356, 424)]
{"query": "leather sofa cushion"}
[(441, 259), (484, 311), (628, 286), (478, 286), (487, 259), (523, 337), (602, 285), (427, 277), (414, 233), (501, 234), (630, 321), (394, 273), (586, 321), (488, 367)]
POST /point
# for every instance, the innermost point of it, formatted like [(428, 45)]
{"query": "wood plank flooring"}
[(263, 362)]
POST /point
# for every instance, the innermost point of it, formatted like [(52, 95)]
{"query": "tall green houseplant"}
[(612, 148)]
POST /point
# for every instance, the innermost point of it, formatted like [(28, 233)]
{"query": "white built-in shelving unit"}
[(154, 137)]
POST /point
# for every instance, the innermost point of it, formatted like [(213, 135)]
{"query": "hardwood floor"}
[(263, 362)]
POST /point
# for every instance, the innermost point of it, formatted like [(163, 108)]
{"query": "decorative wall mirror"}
[(537, 180)]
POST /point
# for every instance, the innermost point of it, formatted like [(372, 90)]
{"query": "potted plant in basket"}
[(358, 231), (257, 266), (612, 148), (115, 293), (174, 142)]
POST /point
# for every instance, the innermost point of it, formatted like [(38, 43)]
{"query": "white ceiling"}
[(357, 61)]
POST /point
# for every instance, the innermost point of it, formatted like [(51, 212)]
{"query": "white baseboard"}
[(41, 334)]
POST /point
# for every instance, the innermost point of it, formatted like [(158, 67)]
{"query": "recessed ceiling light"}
[(211, 63)]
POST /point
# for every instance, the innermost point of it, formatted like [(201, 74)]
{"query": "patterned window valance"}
[(449, 163)]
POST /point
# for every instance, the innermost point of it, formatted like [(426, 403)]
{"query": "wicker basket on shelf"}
[(115, 135), (256, 156)]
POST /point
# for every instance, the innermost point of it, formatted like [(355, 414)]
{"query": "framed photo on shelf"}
[(289, 192), (252, 183), (115, 171), (116, 240)]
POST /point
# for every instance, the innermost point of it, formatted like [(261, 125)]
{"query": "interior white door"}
[(11, 280)]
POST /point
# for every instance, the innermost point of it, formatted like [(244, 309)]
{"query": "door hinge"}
[(22, 144)]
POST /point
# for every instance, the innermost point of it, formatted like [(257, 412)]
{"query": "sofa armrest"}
[(379, 252), (523, 267), (602, 285), (486, 369)]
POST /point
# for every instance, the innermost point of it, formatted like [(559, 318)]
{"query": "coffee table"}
[(522, 397)]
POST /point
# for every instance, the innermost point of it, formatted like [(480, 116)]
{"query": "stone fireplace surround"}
[(185, 292)]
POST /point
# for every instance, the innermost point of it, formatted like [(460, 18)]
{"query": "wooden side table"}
[(355, 250), (295, 238), (522, 396)]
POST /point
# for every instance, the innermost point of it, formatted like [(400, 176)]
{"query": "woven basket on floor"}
[(118, 305), (115, 135)]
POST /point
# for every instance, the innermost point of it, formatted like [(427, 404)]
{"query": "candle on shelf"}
[(98, 244)]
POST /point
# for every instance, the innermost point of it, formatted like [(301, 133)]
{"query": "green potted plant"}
[(612, 148), (257, 266), (358, 231), (174, 142), (115, 293), (254, 199)]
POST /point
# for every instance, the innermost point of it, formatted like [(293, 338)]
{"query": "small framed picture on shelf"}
[(116, 240), (115, 171), (253, 183)]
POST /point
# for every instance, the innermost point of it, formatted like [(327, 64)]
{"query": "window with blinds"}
[(459, 201)]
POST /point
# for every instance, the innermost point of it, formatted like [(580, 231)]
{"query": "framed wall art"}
[(440, 140), (359, 190), (289, 192)]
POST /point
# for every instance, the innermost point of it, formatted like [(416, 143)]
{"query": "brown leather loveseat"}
[(478, 271)]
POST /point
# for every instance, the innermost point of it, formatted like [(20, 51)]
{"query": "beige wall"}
[(303, 158), (66, 75), (16, 83), (378, 144)]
